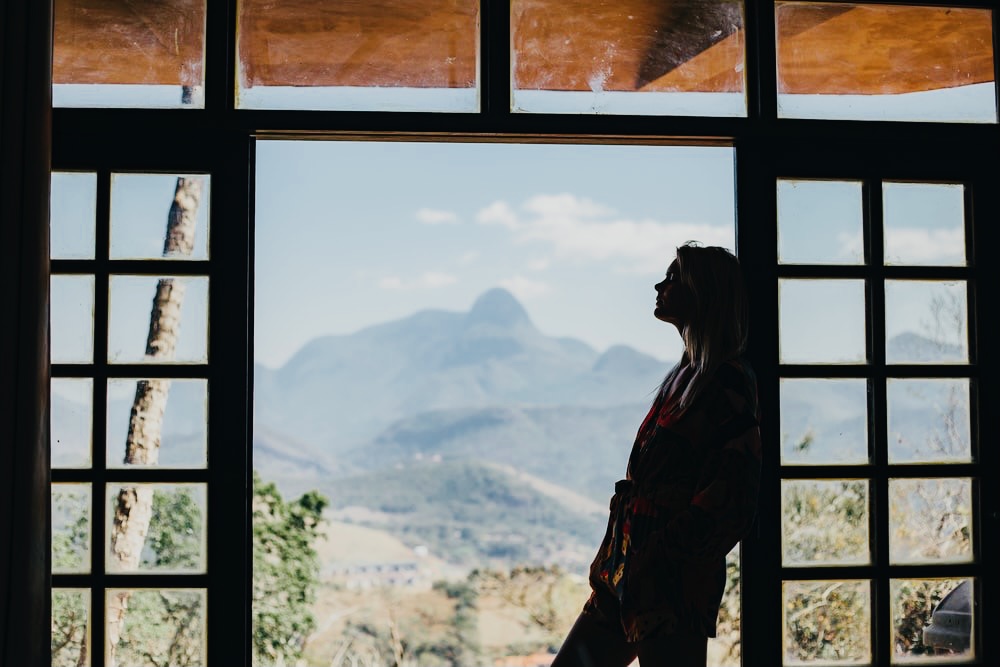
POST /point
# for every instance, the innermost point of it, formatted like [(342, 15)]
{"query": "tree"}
[(134, 506), (285, 571)]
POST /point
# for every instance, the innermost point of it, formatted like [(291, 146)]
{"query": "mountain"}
[(578, 447), (441, 506), (338, 393)]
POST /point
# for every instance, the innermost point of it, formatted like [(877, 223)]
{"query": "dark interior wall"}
[(25, 121)]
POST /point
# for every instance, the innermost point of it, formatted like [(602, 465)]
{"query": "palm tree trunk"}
[(134, 505)]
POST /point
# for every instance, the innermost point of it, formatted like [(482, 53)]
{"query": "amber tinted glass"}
[(382, 55), (631, 56), (109, 53), (885, 62)]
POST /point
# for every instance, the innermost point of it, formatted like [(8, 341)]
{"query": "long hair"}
[(717, 329)]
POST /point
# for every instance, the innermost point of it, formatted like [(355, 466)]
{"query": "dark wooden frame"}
[(219, 139)]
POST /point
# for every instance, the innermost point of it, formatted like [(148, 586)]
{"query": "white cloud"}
[(433, 279), (579, 229), (852, 245), (468, 257), (566, 205), (925, 245), (525, 288), (539, 264), (427, 280), (390, 282), (431, 216), (498, 213)]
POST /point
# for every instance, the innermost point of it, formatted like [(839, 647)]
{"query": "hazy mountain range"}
[(476, 424)]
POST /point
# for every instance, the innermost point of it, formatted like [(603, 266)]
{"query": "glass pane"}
[(158, 320), (820, 222), (827, 622), (71, 505), (644, 57), (821, 321), (480, 328), (70, 627), (932, 619), (924, 223), (884, 62), (824, 522), (381, 55), (928, 421), (72, 215), (926, 322), (156, 528), (159, 422), (156, 627), (72, 319), (824, 421), (72, 403), (120, 54), (930, 520), (725, 649), (159, 215)]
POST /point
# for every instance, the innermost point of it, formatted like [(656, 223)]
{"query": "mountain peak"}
[(497, 306)]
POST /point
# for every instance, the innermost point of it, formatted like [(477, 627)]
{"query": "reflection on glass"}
[(153, 627), (924, 223), (928, 420), (824, 421), (932, 619), (824, 522), (926, 322), (159, 215), (885, 62), (637, 57), (820, 222), (930, 520), (70, 627), (119, 54), (827, 622), (158, 320), (161, 421), (71, 320), (71, 216), (70, 422), (156, 528), (378, 55), (821, 321), (71, 506)]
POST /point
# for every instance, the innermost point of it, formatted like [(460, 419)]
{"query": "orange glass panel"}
[(885, 62), (593, 56), (104, 49), (344, 55)]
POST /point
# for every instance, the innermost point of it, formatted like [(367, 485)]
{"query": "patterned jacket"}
[(689, 496)]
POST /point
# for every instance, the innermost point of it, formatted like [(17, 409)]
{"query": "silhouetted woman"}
[(690, 491)]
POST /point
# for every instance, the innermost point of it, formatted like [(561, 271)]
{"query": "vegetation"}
[(444, 506), (285, 571)]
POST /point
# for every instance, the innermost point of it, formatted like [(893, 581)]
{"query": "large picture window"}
[(351, 320)]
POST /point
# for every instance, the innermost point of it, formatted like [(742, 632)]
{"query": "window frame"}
[(219, 140)]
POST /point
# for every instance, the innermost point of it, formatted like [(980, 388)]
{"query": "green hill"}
[(471, 514)]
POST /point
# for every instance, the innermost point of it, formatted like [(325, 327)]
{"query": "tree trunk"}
[(134, 505)]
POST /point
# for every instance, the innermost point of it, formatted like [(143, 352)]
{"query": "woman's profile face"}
[(673, 299)]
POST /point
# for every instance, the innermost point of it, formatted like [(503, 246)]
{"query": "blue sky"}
[(350, 234)]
